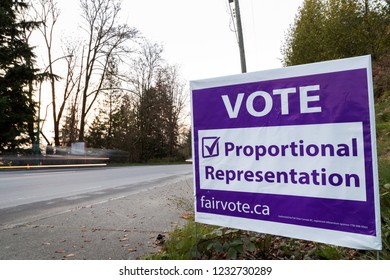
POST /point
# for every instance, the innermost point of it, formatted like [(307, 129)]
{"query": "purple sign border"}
[(344, 98)]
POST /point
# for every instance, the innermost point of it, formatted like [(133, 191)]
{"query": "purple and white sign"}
[(290, 152)]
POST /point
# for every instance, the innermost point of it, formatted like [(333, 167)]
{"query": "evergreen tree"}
[(125, 132), (305, 41), (69, 131), (97, 133), (16, 76), (333, 29)]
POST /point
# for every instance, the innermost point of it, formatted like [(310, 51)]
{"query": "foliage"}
[(383, 141), (69, 130), (385, 210), (333, 29), (16, 77), (384, 187), (382, 109), (304, 43), (231, 243), (180, 244), (224, 243)]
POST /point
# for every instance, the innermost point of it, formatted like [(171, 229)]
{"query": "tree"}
[(333, 29), (304, 42), (158, 103), (357, 27), (111, 103), (125, 134), (101, 131), (143, 77), (376, 27), (106, 40), (381, 75), (69, 131), (97, 133), (343, 30), (17, 74), (171, 90), (47, 12)]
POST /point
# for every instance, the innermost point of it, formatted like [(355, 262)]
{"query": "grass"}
[(179, 246), (382, 109), (223, 243), (220, 243)]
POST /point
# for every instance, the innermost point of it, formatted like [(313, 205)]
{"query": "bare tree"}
[(106, 40), (144, 68), (47, 12)]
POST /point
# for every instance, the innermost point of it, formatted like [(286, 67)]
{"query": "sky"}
[(197, 35)]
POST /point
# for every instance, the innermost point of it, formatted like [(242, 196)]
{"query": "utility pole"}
[(240, 35)]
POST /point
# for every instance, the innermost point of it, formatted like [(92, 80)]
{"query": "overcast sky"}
[(197, 34)]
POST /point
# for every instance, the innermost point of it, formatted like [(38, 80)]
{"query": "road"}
[(31, 186), (96, 213)]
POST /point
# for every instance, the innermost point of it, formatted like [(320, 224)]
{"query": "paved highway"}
[(31, 186)]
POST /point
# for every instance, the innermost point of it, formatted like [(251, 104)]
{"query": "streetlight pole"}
[(240, 35)]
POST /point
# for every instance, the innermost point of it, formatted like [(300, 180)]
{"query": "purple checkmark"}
[(210, 146)]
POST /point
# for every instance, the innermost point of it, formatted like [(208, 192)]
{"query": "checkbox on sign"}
[(210, 147)]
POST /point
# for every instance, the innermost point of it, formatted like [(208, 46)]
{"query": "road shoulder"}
[(125, 227)]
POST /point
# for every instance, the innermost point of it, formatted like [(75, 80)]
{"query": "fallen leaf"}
[(187, 216), (60, 251), (123, 239), (69, 256)]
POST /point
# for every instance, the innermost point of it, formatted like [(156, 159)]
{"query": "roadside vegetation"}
[(383, 140), (213, 242)]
